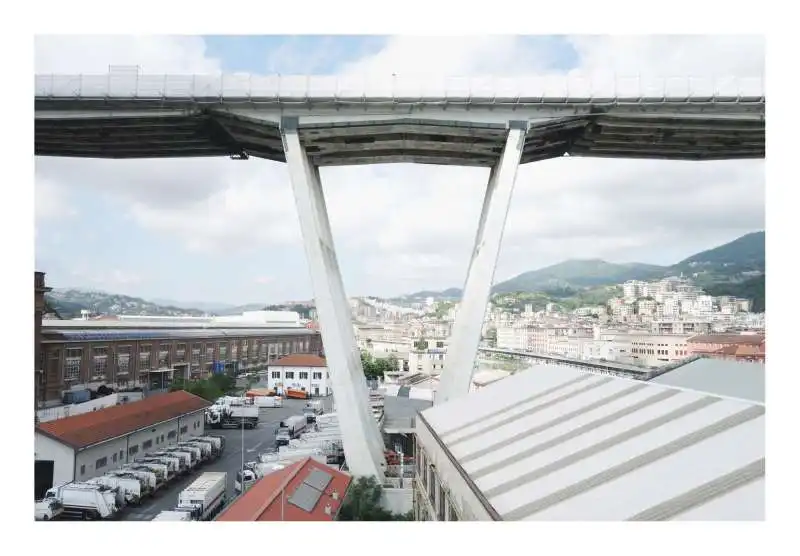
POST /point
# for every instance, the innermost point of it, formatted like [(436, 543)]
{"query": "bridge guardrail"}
[(529, 89)]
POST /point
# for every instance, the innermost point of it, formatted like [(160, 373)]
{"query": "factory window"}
[(99, 361), (303, 375), (72, 363), (133, 450), (114, 458), (144, 357), (172, 434), (147, 444), (163, 354), (276, 374), (121, 454), (83, 470), (289, 374), (123, 359), (180, 353), (100, 463), (317, 376)]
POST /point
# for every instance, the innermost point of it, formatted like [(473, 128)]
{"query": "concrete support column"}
[(463, 347), (360, 435)]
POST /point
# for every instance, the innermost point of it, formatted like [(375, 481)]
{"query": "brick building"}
[(89, 353), (39, 289)]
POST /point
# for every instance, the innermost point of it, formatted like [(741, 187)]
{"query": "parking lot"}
[(252, 441)]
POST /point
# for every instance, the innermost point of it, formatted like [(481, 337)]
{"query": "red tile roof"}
[(300, 360), (93, 427), (752, 339), (269, 499)]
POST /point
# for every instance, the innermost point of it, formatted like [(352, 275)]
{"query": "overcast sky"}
[(215, 230)]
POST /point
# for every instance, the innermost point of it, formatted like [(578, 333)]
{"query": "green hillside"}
[(579, 273)]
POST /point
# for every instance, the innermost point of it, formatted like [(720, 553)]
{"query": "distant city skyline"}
[(227, 232)]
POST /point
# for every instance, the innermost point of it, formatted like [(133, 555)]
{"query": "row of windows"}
[(436, 494), (100, 364), (303, 375), (133, 450)]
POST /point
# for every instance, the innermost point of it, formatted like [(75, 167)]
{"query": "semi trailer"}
[(205, 497)]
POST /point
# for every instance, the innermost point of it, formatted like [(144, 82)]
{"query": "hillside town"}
[(652, 324)]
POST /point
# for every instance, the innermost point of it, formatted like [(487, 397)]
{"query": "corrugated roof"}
[(90, 428), (561, 444), (67, 335), (300, 360), (736, 379), (303, 491)]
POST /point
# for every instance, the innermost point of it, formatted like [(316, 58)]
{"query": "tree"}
[(376, 368), (363, 503)]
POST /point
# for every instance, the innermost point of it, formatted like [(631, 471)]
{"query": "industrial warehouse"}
[(150, 352), (84, 446)]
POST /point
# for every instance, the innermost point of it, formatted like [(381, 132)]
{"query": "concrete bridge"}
[(309, 122)]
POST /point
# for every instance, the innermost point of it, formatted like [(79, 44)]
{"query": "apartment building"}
[(427, 356), (648, 350), (672, 326)]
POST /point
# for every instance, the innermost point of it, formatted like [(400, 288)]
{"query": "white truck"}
[(253, 471), (173, 515), (205, 497), (170, 464), (189, 460), (290, 428), (218, 417), (268, 401), (47, 509), (204, 450), (157, 472), (217, 443), (147, 479), (85, 501), (130, 488)]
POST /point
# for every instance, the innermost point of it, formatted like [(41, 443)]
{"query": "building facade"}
[(83, 446), (302, 371), (39, 289), (88, 356), (744, 347)]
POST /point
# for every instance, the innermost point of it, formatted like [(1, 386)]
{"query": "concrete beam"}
[(360, 434), (463, 348)]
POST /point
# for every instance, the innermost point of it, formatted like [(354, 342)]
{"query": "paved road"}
[(258, 440)]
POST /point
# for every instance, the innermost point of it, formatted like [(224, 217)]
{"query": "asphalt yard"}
[(251, 441)]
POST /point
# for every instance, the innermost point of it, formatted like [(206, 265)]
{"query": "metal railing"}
[(128, 85)]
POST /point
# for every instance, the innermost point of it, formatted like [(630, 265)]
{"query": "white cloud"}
[(413, 226)]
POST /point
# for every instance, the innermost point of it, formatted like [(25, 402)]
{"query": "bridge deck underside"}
[(208, 132)]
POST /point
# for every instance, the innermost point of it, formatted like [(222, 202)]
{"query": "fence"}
[(53, 413)]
